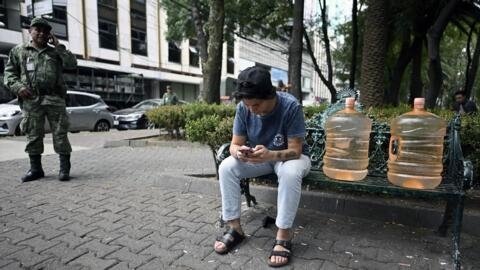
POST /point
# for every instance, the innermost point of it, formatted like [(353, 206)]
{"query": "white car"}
[(86, 112)]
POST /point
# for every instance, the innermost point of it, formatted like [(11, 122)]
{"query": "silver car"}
[(86, 112)]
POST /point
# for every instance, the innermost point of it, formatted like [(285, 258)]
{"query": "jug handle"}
[(394, 148)]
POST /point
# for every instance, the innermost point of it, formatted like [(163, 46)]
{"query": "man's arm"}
[(12, 75), (69, 61)]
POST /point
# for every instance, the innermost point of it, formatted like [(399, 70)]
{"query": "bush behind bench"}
[(211, 124)]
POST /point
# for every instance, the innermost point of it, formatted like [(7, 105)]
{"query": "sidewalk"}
[(138, 208)]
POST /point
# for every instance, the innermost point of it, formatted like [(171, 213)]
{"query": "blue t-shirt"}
[(272, 130)]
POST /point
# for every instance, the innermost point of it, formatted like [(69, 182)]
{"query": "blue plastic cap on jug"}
[(347, 142), (416, 148)]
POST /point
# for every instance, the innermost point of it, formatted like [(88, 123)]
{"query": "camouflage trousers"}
[(33, 125)]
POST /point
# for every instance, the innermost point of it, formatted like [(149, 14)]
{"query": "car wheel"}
[(102, 125)]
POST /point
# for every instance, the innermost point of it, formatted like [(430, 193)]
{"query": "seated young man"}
[(268, 137)]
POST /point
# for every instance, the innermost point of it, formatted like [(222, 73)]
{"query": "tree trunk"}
[(201, 37), (212, 69), (435, 66), (374, 53), (295, 51), (416, 83), (472, 68), (404, 58), (329, 84), (353, 65)]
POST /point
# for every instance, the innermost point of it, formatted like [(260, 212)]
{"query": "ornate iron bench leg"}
[(447, 218), (456, 230), (245, 188)]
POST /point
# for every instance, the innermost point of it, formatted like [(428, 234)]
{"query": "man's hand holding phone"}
[(244, 152), (52, 39)]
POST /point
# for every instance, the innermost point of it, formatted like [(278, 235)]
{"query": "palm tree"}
[(374, 53)]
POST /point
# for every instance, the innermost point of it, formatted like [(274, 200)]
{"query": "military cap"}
[(40, 22)]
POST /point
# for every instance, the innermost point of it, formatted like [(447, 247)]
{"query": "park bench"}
[(457, 172)]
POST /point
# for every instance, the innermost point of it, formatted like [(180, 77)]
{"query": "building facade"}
[(123, 54)]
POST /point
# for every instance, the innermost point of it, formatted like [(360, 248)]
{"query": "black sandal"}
[(230, 238), (287, 244)]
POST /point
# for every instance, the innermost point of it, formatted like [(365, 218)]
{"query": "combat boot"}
[(64, 173), (36, 171)]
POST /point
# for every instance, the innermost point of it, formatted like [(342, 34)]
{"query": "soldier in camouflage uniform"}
[(34, 72)]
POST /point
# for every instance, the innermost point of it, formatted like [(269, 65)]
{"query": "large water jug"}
[(348, 136), (416, 148)]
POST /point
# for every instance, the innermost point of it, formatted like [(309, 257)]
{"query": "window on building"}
[(138, 21), (230, 57), (174, 53), (10, 15), (108, 3), (139, 44), (194, 53), (107, 24), (107, 32), (59, 21)]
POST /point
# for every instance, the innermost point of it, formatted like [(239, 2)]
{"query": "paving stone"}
[(133, 231), (155, 264), (112, 207), (93, 262), (64, 253), (55, 264), (98, 248), (194, 238), (132, 259), (359, 263), (37, 243), (190, 262), (17, 235), (12, 265), (28, 258), (104, 236), (72, 240), (162, 241), (133, 245), (78, 229), (110, 216), (6, 248), (56, 222)]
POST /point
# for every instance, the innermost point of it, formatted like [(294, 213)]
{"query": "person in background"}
[(462, 105), (34, 73), (170, 98), (268, 137)]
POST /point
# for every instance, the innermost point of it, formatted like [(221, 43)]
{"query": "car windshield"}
[(13, 102), (146, 104)]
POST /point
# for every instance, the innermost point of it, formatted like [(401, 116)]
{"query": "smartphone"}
[(246, 151)]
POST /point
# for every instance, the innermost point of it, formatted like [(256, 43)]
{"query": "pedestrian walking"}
[(34, 73), (170, 98), (268, 137)]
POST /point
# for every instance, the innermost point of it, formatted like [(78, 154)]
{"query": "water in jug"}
[(347, 140), (416, 149)]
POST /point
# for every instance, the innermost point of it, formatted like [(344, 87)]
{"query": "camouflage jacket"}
[(44, 68)]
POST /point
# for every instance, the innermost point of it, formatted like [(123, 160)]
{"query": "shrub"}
[(170, 117), (310, 111), (211, 130)]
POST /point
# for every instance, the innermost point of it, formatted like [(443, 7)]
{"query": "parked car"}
[(135, 117), (86, 112)]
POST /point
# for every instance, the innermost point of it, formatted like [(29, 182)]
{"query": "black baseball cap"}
[(254, 82), (39, 21)]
